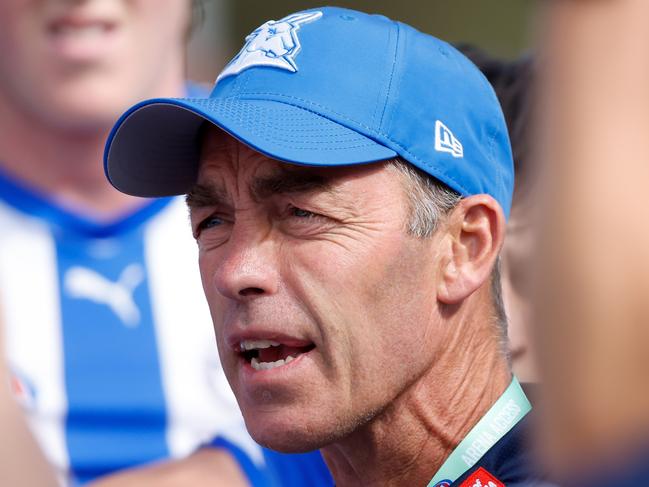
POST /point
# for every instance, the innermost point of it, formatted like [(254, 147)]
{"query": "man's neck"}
[(410, 440), (67, 168)]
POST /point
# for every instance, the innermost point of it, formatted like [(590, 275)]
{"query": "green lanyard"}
[(508, 410)]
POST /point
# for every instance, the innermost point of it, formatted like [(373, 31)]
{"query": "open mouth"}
[(268, 354)]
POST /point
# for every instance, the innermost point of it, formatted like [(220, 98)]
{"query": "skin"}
[(517, 249), (63, 84), (209, 468), (59, 96), (321, 257), (21, 462), (592, 275)]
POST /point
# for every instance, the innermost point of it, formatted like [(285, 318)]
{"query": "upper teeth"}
[(256, 344)]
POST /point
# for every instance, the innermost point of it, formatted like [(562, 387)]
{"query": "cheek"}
[(374, 310), (218, 305), (165, 21), (154, 37), (27, 76), (19, 42), (206, 265), (374, 302), (373, 276)]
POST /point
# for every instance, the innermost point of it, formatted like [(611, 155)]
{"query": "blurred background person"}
[(513, 82), (591, 303), (502, 31), (21, 462), (112, 369)]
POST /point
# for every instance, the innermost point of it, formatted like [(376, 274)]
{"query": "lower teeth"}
[(257, 365)]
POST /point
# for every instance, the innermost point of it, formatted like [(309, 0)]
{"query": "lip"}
[(251, 377), (234, 340), (81, 38)]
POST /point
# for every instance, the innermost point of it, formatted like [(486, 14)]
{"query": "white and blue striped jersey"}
[(108, 336)]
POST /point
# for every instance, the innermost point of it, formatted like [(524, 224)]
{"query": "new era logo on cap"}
[(445, 141), (274, 44), (482, 478)]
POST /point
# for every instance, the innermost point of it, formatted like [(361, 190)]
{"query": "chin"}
[(80, 106), (295, 440), (293, 432)]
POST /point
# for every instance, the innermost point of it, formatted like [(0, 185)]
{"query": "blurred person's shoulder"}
[(632, 471)]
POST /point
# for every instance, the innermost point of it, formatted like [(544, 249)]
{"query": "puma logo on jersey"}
[(274, 44), (84, 283)]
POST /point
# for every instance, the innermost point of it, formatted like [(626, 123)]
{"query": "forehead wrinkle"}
[(221, 154), (222, 151), (216, 145), (201, 195), (285, 181)]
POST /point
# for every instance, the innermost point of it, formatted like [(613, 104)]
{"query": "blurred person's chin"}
[(79, 107), (79, 65), (90, 102), (84, 96)]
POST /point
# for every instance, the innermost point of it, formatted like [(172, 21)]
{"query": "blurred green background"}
[(504, 28)]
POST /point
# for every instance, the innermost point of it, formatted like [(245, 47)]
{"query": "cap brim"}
[(153, 150)]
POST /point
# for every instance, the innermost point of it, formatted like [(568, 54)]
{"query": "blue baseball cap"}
[(328, 87)]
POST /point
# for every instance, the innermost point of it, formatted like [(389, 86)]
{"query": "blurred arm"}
[(21, 462), (207, 467), (593, 270)]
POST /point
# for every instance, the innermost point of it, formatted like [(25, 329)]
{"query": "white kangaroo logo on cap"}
[(84, 283), (274, 44)]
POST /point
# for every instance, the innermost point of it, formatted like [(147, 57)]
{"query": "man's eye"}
[(300, 213), (209, 222)]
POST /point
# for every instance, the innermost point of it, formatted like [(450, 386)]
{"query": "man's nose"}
[(248, 268)]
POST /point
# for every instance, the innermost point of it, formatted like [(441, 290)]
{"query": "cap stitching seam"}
[(492, 141), (318, 105), (374, 132), (394, 64)]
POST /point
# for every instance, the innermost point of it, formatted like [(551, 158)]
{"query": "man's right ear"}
[(475, 232)]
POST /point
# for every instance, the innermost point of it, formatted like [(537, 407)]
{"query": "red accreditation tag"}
[(481, 478)]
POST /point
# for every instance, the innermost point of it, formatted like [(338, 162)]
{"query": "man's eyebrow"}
[(201, 195), (289, 181), (281, 182)]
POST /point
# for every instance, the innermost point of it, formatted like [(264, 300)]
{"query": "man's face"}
[(316, 265), (78, 63)]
